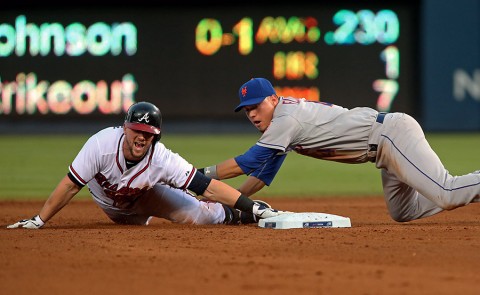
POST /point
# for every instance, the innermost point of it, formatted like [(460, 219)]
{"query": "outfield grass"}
[(31, 166)]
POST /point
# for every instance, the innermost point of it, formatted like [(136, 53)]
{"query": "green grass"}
[(31, 166)]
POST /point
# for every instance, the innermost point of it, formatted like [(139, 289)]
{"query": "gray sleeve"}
[(282, 132)]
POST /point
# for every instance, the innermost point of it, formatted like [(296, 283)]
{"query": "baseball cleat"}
[(247, 218), (237, 217)]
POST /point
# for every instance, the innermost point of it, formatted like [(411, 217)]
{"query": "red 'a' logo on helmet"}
[(244, 91)]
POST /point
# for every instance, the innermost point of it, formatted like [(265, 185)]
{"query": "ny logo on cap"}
[(145, 117), (244, 91)]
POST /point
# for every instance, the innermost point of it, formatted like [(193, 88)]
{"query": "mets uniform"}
[(156, 186), (415, 182)]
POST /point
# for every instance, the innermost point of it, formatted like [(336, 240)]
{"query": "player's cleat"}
[(236, 217), (246, 218)]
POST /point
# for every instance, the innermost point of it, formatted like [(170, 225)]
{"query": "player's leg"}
[(403, 202), (175, 205), (122, 216), (166, 202), (118, 215), (179, 206), (404, 152)]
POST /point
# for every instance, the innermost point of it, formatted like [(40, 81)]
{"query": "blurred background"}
[(76, 68), (73, 69)]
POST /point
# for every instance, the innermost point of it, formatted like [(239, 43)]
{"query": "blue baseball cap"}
[(254, 92)]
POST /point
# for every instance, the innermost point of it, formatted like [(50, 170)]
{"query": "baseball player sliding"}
[(415, 182), (133, 177)]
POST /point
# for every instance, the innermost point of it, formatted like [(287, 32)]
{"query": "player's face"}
[(136, 144), (261, 114)]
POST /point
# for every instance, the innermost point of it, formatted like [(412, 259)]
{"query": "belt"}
[(372, 148), (381, 117)]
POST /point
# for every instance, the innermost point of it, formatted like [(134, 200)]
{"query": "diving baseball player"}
[(415, 182), (133, 177)]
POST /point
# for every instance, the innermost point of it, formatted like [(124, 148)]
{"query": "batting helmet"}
[(146, 117)]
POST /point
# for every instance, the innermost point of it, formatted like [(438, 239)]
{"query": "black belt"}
[(381, 117)]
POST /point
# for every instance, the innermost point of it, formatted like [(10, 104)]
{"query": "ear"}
[(274, 100)]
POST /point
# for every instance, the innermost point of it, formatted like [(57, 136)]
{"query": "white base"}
[(305, 220)]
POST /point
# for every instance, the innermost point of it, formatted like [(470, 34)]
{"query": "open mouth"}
[(139, 145)]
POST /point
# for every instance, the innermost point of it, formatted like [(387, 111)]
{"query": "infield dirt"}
[(80, 251)]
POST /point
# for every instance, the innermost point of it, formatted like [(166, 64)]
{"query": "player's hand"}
[(34, 223), (262, 211)]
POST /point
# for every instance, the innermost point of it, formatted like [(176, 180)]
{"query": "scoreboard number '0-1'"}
[(362, 28)]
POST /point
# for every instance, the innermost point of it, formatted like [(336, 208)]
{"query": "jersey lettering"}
[(292, 100), (328, 104), (325, 103), (121, 196)]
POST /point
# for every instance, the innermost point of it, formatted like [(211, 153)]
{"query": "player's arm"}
[(61, 195), (260, 163), (251, 186), (224, 170), (228, 169), (250, 161), (221, 192)]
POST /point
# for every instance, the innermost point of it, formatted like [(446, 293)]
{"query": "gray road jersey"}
[(320, 130)]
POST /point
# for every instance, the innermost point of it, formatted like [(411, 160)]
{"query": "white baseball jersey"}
[(153, 187), (101, 165)]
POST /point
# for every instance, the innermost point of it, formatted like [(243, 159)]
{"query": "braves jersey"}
[(320, 130), (101, 165)]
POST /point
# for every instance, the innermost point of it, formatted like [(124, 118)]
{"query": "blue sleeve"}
[(261, 162)]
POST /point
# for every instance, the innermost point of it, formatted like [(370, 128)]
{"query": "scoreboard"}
[(84, 64)]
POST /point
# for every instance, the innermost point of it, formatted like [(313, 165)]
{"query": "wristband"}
[(244, 204), (211, 171), (38, 220)]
